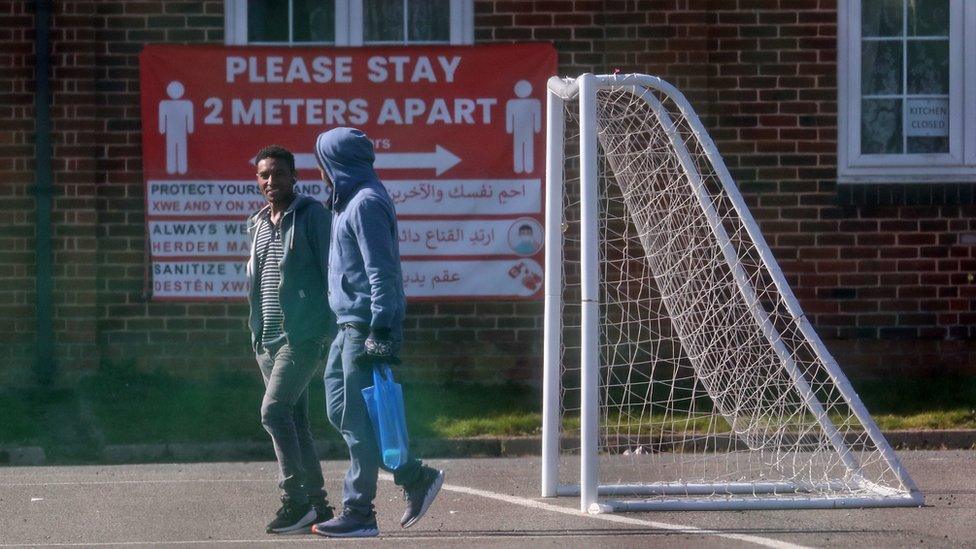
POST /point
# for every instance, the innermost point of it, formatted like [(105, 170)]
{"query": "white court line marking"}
[(677, 528), (279, 540), (525, 502), (143, 481)]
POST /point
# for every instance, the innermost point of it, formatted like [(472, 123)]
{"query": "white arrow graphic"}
[(440, 161)]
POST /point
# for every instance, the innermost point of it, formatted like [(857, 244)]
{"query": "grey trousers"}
[(344, 383), (287, 370)]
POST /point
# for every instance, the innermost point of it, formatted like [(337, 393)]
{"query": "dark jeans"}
[(344, 383), (287, 370)]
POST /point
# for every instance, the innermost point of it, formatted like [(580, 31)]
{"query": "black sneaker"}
[(292, 518), (349, 524), (323, 511), (420, 495)]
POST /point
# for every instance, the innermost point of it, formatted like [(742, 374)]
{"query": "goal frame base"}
[(687, 497), (756, 504)]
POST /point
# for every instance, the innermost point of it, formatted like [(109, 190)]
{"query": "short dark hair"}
[(526, 226), (278, 153)]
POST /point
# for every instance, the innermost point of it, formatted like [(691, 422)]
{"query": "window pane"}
[(881, 18), (314, 21), (930, 145), (928, 66), (383, 20), (267, 21), (881, 65), (928, 17), (429, 20), (881, 126)]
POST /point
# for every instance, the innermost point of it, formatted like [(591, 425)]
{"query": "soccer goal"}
[(680, 371)]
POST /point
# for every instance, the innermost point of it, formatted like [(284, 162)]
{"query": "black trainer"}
[(292, 518), (323, 511), (420, 495), (349, 524)]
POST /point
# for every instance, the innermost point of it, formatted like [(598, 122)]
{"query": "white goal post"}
[(679, 369)]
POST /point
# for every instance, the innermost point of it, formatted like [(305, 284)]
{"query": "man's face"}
[(276, 180), (525, 235)]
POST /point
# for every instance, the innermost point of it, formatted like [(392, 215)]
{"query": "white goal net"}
[(680, 371)]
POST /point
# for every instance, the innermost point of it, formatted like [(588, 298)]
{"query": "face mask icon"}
[(525, 236)]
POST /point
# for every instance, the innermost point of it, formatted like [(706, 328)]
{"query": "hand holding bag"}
[(384, 403)]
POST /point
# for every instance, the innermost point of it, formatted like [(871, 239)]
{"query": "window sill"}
[(923, 175), (896, 193)]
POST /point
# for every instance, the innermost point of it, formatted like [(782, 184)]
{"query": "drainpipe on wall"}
[(44, 367)]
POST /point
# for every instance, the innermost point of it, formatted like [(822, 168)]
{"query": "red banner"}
[(459, 134)]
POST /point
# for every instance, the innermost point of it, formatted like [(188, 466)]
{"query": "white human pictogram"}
[(175, 122), (523, 119)]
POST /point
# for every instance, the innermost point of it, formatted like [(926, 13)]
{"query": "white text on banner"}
[(486, 278), (466, 196)]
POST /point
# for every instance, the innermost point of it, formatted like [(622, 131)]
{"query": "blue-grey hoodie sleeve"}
[(373, 220)]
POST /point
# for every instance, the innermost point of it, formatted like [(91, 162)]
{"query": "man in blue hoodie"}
[(289, 323), (366, 295)]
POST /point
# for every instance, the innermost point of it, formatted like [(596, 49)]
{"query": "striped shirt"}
[(269, 252)]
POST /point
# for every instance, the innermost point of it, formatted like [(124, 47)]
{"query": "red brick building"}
[(864, 194)]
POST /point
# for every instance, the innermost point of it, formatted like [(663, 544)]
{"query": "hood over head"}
[(346, 155)]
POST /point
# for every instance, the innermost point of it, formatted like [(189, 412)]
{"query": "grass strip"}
[(123, 406)]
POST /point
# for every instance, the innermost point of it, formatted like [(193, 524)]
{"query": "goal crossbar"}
[(660, 128)]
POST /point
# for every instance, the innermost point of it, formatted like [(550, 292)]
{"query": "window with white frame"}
[(406, 22), (290, 22), (348, 22), (905, 94)]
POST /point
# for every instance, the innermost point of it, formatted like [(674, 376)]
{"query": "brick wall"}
[(191, 337), (16, 166), (885, 280), (98, 211)]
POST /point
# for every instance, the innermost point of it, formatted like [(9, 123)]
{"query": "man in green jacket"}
[(290, 321)]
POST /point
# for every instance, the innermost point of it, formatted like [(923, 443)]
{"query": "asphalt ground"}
[(485, 502)]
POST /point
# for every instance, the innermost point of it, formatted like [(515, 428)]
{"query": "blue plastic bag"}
[(384, 403)]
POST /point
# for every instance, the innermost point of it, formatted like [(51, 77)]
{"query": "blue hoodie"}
[(365, 281)]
